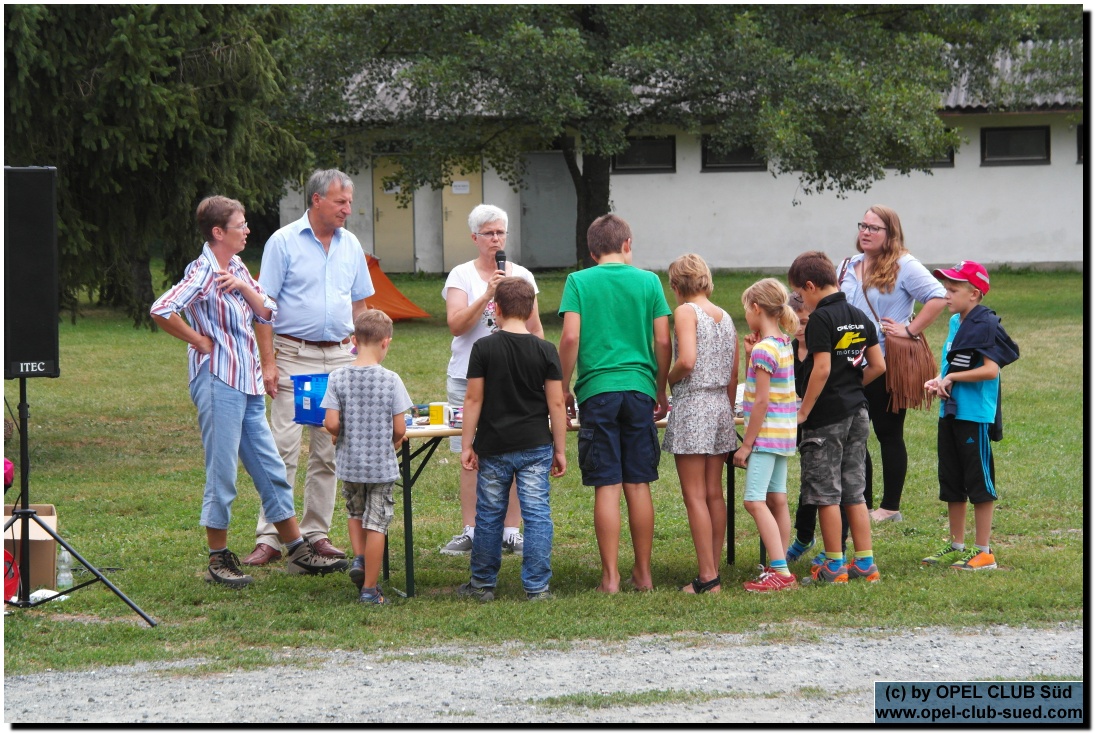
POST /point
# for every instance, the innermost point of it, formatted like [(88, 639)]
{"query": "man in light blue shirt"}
[(315, 270)]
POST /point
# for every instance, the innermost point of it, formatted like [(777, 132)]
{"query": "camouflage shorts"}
[(833, 459), (371, 502)]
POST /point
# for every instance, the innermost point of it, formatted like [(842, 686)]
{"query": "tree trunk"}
[(141, 295), (592, 186)]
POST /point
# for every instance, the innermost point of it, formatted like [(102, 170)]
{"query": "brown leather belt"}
[(314, 344)]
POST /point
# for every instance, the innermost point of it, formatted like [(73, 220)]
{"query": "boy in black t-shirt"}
[(515, 383), (843, 345)]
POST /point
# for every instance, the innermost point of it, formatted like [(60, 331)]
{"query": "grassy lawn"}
[(114, 445)]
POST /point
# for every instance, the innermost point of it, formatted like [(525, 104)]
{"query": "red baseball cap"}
[(969, 271)]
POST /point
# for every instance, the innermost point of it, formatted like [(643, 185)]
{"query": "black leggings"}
[(806, 515), (806, 522), (889, 429)]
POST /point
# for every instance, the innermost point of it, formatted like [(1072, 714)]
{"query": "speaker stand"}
[(24, 515)]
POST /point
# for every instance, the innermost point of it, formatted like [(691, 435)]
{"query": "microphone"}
[(500, 260)]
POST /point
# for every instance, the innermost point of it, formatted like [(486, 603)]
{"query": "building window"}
[(944, 161), (1014, 146), (739, 159), (1080, 143), (648, 155)]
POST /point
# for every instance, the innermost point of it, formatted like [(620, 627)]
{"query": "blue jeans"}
[(532, 467), (234, 429)]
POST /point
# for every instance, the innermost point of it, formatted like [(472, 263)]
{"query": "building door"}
[(393, 225), (549, 213), (457, 200)]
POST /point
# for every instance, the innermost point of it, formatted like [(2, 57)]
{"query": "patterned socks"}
[(834, 561), (864, 559), (779, 566)]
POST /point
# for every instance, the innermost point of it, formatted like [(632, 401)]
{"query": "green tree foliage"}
[(144, 110), (832, 93)]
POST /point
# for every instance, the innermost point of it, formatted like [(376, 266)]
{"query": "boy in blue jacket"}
[(968, 385)]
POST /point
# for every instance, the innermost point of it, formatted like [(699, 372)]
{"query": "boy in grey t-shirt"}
[(365, 404)]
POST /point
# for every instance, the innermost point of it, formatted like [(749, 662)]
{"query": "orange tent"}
[(387, 297)]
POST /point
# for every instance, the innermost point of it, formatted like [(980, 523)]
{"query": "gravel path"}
[(704, 678)]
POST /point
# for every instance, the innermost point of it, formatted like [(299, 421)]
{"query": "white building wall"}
[(291, 208), (752, 220), (500, 194), (993, 214)]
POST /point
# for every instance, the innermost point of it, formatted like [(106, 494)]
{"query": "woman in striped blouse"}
[(221, 300)]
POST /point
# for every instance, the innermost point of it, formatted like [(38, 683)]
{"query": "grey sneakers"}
[(460, 544), (305, 560), (486, 594), (224, 568), (481, 594), (514, 544)]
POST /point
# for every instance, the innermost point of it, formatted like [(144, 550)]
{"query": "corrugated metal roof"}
[(1010, 67), (391, 98)]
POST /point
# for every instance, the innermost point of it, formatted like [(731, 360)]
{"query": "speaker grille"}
[(30, 273)]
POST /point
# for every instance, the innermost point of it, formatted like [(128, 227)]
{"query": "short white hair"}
[(485, 213)]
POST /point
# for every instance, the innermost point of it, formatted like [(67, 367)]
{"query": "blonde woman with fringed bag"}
[(886, 282)]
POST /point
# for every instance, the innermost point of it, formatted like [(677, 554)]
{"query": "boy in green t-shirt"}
[(616, 331)]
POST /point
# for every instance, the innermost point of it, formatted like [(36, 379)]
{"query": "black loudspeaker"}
[(31, 347)]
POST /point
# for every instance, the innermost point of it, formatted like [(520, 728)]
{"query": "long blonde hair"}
[(772, 298), (884, 267)]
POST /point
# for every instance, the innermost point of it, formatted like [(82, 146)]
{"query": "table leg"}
[(387, 565), (730, 506), (410, 475), (408, 530)]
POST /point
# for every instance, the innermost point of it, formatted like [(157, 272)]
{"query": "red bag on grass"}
[(11, 576)]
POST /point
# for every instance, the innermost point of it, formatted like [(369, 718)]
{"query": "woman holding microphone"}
[(469, 306)]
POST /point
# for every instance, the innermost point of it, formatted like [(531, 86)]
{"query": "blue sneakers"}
[(797, 549)]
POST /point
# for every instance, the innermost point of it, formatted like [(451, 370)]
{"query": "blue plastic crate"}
[(308, 391)]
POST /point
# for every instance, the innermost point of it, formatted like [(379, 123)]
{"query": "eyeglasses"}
[(497, 233), (237, 227), (873, 229)]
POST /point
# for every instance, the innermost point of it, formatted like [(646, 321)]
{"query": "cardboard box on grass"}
[(43, 549)]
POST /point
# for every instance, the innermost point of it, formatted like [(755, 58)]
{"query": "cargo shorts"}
[(833, 461), (371, 503)]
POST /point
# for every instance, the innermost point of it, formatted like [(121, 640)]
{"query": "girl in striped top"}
[(771, 420)]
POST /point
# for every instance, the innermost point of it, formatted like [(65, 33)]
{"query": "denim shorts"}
[(455, 389), (617, 441)]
